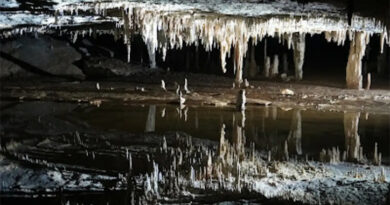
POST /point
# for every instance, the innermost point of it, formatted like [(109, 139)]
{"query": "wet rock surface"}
[(111, 68), (42, 55)]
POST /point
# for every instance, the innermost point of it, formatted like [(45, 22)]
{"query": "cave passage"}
[(204, 102)]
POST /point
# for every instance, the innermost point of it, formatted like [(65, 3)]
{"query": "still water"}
[(266, 126), (97, 152)]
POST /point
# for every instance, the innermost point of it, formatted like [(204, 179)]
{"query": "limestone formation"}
[(354, 66)]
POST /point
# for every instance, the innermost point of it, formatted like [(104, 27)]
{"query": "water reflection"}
[(198, 147), (352, 138), (151, 119), (295, 135), (300, 132)]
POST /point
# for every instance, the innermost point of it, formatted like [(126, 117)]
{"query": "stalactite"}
[(238, 62), (288, 38), (299, 54), (354, 66), (383, 36), (165, 26), (152, 55), (275, 66), (338, 36)]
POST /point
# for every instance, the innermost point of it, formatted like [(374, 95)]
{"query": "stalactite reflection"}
[(295, 135), (151, 120), (352, 138)]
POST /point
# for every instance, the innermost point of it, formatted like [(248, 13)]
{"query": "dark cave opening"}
[(324, 62)]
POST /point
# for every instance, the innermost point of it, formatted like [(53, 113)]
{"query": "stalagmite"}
[(269, 156), (182, 100), (286, 155), (299, 54), (376, 153), (151, 120), (275, 66), (267, 67), (252, 63), (177, 89), (377, 157), (285, 64), (368, 85), (354, 66), (246, 83), (163, 85), (97, 86), (186, 86), (382, 176), (352, 138)]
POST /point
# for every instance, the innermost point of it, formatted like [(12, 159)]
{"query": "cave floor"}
[(205, 89)]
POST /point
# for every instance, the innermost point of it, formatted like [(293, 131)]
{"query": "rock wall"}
[(42, 55)]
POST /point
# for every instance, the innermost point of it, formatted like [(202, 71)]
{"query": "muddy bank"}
[(205, 90)]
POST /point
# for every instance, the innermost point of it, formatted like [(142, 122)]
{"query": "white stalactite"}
[(152, 55), (383, 36), (169, 26)]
